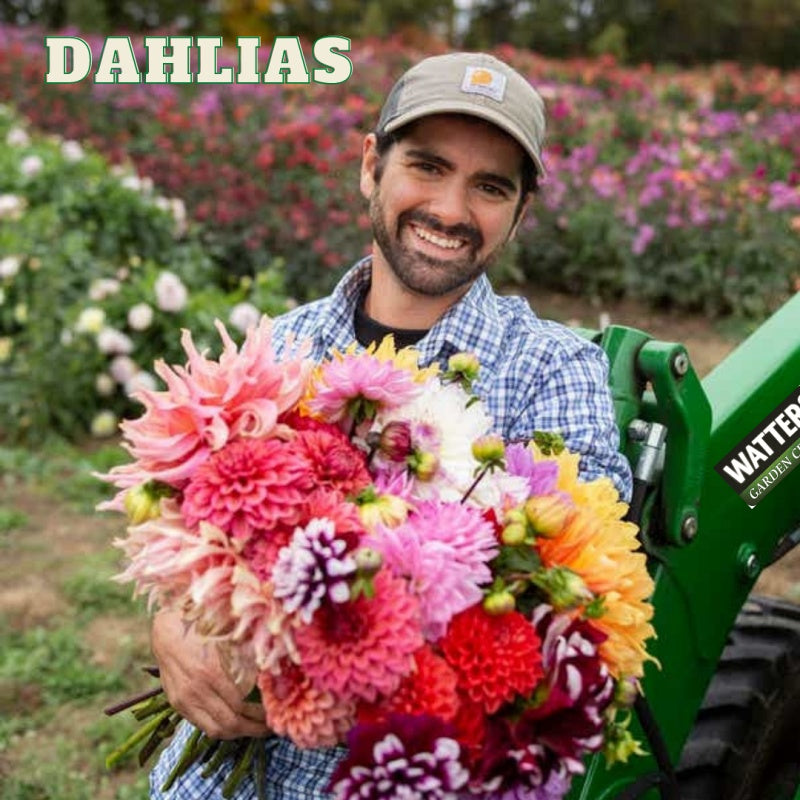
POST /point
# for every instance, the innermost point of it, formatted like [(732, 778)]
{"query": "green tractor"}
[(721, 716)]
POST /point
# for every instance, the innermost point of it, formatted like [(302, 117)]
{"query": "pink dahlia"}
[(364, 648), (262, 549), (188, 569), (354, 382), (444, 550), (334, 461), (248, 486), (295, 708), (206, 404)]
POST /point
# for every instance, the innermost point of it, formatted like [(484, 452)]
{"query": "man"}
[(449, 173)]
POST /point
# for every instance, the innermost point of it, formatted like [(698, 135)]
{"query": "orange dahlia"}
[(601, 548), (429, 689), (294, 707)]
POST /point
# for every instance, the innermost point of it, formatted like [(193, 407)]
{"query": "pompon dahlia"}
[(335, 463), (315, 567), (444, 550), (406, 756), (602, 550), (495, 657), (206, 404), (249, 485), (430, 688), (364, 648), (348, 380), (297, 709)]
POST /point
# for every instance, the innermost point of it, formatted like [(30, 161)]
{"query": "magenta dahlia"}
[(570, 721), (406, 756)]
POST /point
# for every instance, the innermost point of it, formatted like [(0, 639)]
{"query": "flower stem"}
[(132, 701), (120, 752), (478, 479)]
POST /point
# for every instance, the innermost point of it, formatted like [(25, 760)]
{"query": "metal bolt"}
[(752, 566), (689, 528), (680, 364), (638, 430)]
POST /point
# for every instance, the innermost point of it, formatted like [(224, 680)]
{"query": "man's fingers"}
[(253, 711)]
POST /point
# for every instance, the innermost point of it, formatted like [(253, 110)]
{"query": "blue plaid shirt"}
[(535, 375)]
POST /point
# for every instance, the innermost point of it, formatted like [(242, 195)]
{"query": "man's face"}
[(444, 203)]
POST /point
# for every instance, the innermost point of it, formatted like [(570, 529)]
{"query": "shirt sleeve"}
[(570, 395)]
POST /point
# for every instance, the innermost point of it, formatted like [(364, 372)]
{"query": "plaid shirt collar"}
[(472, 325)]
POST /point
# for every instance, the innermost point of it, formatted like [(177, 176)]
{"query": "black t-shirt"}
[(369, 330)]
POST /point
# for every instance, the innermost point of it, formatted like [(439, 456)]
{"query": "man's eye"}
[(426, 166), (492, 190)]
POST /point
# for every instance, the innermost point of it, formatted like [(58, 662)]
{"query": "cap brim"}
[(473, 110)]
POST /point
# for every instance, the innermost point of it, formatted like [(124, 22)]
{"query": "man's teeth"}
[(439, 241)]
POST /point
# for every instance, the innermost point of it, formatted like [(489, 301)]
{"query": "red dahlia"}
[(495, 657)]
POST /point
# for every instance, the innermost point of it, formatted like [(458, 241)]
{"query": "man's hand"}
[(197, 685)]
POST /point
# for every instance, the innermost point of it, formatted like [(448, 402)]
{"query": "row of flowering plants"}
[(469, 617), (679, 187), (96, 271)]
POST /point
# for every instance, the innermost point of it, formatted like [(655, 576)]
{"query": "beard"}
[(422, 273)]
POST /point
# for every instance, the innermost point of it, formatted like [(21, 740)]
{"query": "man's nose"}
[(451, 205)]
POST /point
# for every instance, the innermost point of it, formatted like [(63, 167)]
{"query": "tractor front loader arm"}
[(706, 546)]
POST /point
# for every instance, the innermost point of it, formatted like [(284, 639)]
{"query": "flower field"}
[(679, 187), (129, 211)]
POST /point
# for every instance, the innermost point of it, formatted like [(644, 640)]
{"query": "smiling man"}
[(449, 171)]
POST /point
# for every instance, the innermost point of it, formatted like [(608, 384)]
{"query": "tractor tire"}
[(745, 744)]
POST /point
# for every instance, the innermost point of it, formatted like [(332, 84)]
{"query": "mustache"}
[(461, 230)]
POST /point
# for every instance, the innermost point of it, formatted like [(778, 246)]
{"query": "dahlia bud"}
[(465, 365), (547, 514), (385, 509), (142, 503), (514, 533), (489, 450), (619, 743), (626, 690), (498, 603), (394, 440), (564, 588), (423, 465), (368, 561), (548, 442)]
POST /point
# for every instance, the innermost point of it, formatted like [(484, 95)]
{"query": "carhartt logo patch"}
[(482, 80)]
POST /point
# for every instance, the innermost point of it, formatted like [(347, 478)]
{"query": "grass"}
[(71, 640)]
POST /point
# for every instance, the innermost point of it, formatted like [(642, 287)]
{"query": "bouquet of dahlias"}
[(467, 616)]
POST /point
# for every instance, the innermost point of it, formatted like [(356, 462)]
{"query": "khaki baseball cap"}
[(469, 83)]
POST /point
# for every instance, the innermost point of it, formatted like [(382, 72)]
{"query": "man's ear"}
[(523, 210), (369, 160)]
